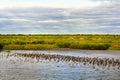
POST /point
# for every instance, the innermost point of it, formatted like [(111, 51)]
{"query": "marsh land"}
[(40, 42)]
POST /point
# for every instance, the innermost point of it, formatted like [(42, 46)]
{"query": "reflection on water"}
[(16, 67)]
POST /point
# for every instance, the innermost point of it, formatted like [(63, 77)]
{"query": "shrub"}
[(1, 46), (41, 42), (38, 42)]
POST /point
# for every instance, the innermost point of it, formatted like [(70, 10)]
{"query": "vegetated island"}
[(58, 41)]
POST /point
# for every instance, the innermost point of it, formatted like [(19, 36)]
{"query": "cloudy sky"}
[(59, 16)]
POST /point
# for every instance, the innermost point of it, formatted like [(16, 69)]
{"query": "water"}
[(15, 68)]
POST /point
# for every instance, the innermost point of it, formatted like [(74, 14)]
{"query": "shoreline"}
[(55, 49), (63, 49), (67, 50)]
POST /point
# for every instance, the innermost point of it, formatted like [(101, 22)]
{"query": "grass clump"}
[(90, 46), (63, 44), (29, 47)]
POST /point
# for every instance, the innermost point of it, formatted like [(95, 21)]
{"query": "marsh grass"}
[(89, 46), (29, 47), (92, 42)]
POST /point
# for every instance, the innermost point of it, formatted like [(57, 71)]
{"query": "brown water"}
[(18, 68)]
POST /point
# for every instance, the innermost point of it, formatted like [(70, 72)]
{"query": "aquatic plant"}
[(95, 61)]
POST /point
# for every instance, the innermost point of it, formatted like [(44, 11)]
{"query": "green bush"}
[(38, 42), (1, 46)]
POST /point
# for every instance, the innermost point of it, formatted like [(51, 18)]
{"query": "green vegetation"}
[(1, 46), (38, 42), (29, 47)]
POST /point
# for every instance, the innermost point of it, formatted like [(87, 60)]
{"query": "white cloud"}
[(49, 21), (6, 4), (100, 19), (13, 19)]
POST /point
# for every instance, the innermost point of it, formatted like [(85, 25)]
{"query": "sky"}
[(59, 17), (49, 3)]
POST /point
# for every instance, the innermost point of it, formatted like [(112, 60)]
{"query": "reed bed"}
[(95, 61)]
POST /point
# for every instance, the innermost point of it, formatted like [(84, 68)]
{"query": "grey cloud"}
[(101, 19)]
